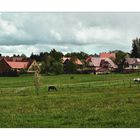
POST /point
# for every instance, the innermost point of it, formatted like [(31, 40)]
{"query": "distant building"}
[(75, 61), (29, 66), (68, 61), (108, 55), (131, 64), (101, 65)]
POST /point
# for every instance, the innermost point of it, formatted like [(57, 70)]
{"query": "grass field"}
[(82, 101)]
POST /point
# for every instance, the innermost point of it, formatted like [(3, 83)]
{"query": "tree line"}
[(51, 62)]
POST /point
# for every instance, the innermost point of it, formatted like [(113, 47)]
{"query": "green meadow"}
[(82, 101)]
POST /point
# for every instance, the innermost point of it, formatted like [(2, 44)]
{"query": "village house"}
[(131, 64), (76, 61), (28, 66), (100, 65)]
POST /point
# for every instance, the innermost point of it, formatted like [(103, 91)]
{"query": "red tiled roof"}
[(95, 61), (108, 55), (18, 65)]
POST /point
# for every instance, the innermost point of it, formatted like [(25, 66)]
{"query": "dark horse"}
[(52, 88)]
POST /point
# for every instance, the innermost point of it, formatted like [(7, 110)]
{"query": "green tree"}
[(23, 55), (56, 55), (51, 65), (80, 55), (120, 56), (57, 67), (135, 48), (47, 64)]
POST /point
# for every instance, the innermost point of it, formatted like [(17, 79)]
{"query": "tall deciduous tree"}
[(120, 56)]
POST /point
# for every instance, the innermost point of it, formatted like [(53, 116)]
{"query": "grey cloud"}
[(90, 32)]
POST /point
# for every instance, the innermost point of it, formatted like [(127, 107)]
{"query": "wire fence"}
[(75, 87)]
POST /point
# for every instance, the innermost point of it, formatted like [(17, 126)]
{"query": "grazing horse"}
[(137, 80), (52, 88)]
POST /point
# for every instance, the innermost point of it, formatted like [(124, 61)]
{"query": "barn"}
[(28, 66)]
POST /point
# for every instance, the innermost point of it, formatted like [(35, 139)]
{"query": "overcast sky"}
[(67, 32)]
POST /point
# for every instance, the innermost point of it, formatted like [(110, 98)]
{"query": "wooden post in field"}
[(37, 81)]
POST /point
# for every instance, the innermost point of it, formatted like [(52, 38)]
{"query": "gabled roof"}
[(65, 58), (77, 61), (96, 62), (18, 65), (132, 61), (113, 65)]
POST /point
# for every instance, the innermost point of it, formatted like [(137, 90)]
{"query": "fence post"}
[(37, 81)]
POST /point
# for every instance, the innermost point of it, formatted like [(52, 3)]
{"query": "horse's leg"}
[(48, 88)]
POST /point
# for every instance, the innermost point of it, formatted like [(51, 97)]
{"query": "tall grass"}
[(82, 101)]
